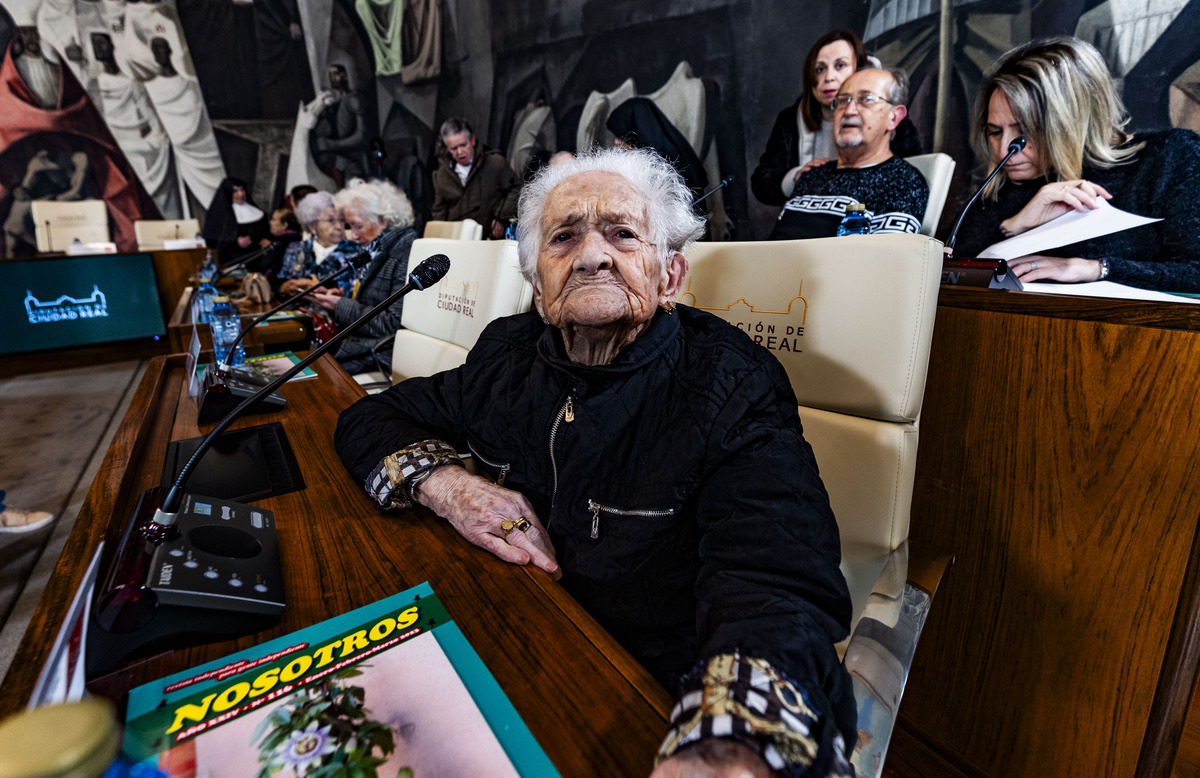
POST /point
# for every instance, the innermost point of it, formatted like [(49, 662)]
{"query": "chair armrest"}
[(879, 655)]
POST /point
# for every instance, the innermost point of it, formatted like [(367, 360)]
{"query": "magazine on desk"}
[(270, 366), (390, 689)]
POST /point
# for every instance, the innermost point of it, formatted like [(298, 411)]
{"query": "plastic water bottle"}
[(511, 232), (855, 222), (226, 326), (204, 301), (208, 269)]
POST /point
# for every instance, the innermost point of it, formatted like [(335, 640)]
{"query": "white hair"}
[(377, 200), (673, 224), (310, 208)]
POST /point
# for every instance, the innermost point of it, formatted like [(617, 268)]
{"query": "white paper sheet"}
[(1066, 229), (1106, 289)]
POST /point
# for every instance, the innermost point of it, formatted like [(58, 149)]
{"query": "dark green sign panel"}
[(56, 302)]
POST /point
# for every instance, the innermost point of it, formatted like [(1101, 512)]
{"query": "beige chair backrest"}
[(851, 321), (937, 169), (467, 229), (441, 324), (58, 224), (153, 234)]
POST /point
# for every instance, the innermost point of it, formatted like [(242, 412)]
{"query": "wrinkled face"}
[(596, 263), (461, 146), (866, 126), (835, 62), (361, 229), (1002, 128), (329, 229), (239, 195)]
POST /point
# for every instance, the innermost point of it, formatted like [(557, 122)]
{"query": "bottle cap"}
[(71, 740), (220, 299), (855, 207)]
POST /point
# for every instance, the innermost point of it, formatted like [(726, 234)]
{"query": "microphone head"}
[(430, 271), (1017, 144)]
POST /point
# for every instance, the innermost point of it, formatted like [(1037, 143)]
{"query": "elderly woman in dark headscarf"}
[(234, 224), (639, 124)]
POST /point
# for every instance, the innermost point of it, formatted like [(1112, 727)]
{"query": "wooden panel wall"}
[(1059, 461)]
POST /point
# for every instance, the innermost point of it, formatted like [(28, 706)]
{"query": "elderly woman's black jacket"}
[(682, 500), (378, 279)]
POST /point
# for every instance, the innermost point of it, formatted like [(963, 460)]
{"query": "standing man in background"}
[(473, 182)]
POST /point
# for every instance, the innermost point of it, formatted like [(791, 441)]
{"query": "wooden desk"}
[(592, 708), (1059, 458), (277, 335)]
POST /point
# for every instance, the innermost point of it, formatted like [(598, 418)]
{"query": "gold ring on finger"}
[(522, 523), (507, 526)]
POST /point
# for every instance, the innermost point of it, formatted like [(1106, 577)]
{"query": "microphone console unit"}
[(215, 571)]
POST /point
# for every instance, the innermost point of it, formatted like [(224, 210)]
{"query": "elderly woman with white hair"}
[(650, 456), (306, 261), (379, 218)]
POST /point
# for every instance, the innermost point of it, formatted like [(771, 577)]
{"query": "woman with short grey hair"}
[(378, 217), (325, 251)]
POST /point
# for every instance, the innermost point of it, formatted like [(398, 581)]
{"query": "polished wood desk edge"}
[(1141, 313), (1177, 680), (113, 474), (927, 566), (622, 661)]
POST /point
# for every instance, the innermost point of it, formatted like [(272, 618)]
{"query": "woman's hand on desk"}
[(714, 758), (327, 299), (476, 507), (1052, 201), (1066, 270), (294, 286)]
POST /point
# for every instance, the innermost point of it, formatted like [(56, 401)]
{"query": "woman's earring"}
[(670, 307)]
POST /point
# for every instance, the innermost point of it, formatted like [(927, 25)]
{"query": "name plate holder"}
[(981, 273)]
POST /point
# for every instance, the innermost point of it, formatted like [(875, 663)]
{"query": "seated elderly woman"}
[(1058, 94), (379, 217), (652, 456), (306, 261)]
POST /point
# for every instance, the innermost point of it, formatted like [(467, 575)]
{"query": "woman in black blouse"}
[(1058, 94)]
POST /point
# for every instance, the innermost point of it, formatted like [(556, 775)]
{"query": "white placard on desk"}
[(1106, 289)]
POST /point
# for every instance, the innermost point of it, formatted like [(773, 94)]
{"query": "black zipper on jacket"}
[(565, 413), (596, 507), (499, 466)]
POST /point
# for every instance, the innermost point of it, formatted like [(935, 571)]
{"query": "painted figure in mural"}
[(1058, 94), (473, 181), (803, 132), (866, 109), (638, 123), (161, 49), (54, 145), (339, 136), (679, 504)]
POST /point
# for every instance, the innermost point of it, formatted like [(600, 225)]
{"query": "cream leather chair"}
[(152, 234), (467, 229), (58, 224), (937, 169), (441, 324), (851, 320)]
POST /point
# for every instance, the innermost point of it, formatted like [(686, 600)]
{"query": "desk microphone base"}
[(214, 574)]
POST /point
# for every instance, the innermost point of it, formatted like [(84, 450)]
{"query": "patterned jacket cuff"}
[(388, 484), (748, 700)]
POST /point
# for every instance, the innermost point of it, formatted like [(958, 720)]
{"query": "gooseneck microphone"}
[(1015, 147), (724, 183), (425, 275), (196, 568)]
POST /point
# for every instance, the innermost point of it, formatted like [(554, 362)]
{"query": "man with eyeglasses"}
[(866, 109)]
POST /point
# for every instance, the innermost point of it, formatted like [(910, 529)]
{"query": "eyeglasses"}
[(866, 100)]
